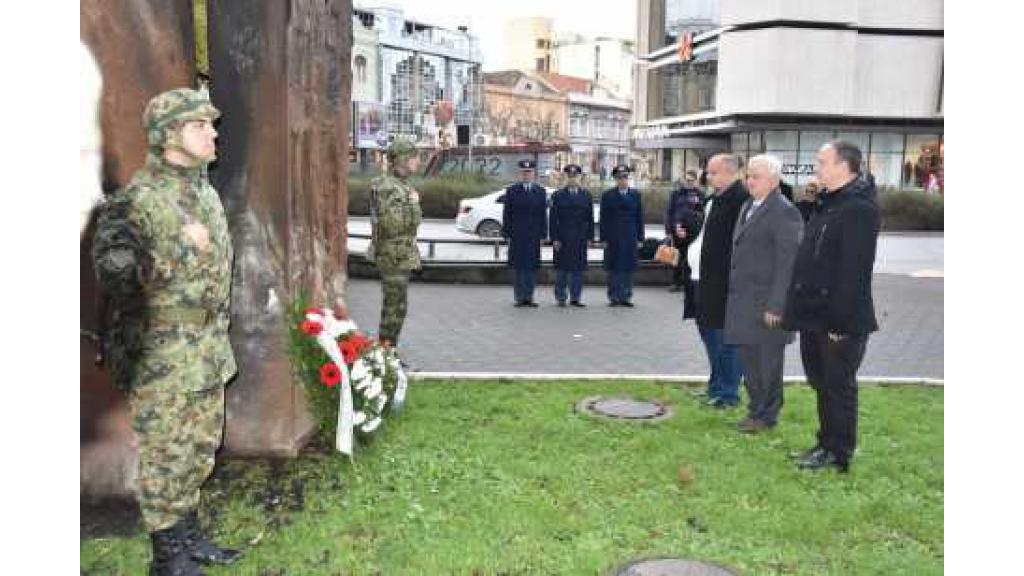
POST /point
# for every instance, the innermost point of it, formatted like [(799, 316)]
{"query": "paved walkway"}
[(474, 328)]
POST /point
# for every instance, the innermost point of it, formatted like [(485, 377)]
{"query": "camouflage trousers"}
[(178, 434), (395, 286)]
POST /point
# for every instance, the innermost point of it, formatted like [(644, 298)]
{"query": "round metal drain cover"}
[(672, 567), (624, 408)]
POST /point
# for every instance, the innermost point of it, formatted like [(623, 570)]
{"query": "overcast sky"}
[(487, 18)]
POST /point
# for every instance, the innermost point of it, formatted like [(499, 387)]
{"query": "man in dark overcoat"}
[(712, 288), (524, 225), (571, 226), (622, 232), (830, 301)]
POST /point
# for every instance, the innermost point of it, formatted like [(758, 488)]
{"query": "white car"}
[(483, 215)]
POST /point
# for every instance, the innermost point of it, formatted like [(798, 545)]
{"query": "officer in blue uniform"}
[(622, 232), (524, 225), (571, 225)]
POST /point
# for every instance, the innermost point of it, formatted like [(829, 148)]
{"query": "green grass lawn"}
[(505, 478)]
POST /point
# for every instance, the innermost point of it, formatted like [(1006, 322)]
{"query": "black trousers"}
[(831, 369)]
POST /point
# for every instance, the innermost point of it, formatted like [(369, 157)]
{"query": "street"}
[(908, 253)]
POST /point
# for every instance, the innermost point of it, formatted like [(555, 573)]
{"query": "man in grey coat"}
[(765, 243)]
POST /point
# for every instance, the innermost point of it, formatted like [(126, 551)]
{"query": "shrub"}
[(910, 210), (439, 195)]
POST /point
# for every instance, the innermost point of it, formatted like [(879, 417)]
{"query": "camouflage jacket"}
[(396, 219), (169, 300)]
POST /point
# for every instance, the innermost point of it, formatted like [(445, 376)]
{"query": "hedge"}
[(911, 210)]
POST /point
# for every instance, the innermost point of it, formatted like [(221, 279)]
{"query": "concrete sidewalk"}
[(474, 328)]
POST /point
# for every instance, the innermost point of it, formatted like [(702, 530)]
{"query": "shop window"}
[(887, 169), (738, 142), (860, 139), (886, 142), (922, 164), (814, 140), (757, 141), (780, 140)]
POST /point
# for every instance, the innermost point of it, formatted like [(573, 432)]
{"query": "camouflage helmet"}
[(401, 148), (179, 105)]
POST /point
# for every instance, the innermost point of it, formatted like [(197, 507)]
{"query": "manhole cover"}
[(623, 408), (672, 567)]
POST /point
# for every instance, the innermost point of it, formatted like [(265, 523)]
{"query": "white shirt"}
[(693, 251)]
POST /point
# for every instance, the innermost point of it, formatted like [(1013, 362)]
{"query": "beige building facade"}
[(785, 76)]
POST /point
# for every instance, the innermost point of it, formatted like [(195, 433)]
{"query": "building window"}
[(360, 62), (693, 16), (540, 65), (885, 160), (922, 163), (691, 87)]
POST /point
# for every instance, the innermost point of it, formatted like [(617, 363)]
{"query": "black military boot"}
[(199, 546), (170, 558)]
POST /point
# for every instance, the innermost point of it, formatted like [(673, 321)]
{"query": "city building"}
[(783, 77), (598, 125), (533, 44), (523, 108), (528, 44), (421, 81), (609, 62)]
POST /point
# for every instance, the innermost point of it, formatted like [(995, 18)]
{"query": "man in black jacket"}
[(712, 287), (682, 222), (830, 301)]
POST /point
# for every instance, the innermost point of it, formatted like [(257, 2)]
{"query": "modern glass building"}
[(751, 76), (424, 71)]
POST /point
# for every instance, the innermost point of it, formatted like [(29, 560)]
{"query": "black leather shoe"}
[(170, 555), (577, 304), (561, 303), (519, 304), (822, 459), (627, 304), (200, 548), (531, 304), (806, 453), (614, 304)]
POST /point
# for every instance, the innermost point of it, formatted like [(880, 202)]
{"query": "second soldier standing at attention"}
[(395, 213), (524, 224), (571, 226), (622, 232)]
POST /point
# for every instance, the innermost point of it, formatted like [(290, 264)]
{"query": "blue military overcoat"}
[(622, 227), (524, 223), (571, 223)]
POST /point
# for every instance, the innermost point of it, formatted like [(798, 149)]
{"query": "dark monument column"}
[(281, 75)]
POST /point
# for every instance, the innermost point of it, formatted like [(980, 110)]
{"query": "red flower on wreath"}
[(349, 351), (360, 341), (330, 375), (311, 327)]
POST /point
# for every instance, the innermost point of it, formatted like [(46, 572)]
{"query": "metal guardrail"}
[(431, 243)]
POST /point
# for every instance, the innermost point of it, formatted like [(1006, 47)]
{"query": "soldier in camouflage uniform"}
[(163, 256), (395, 212)]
